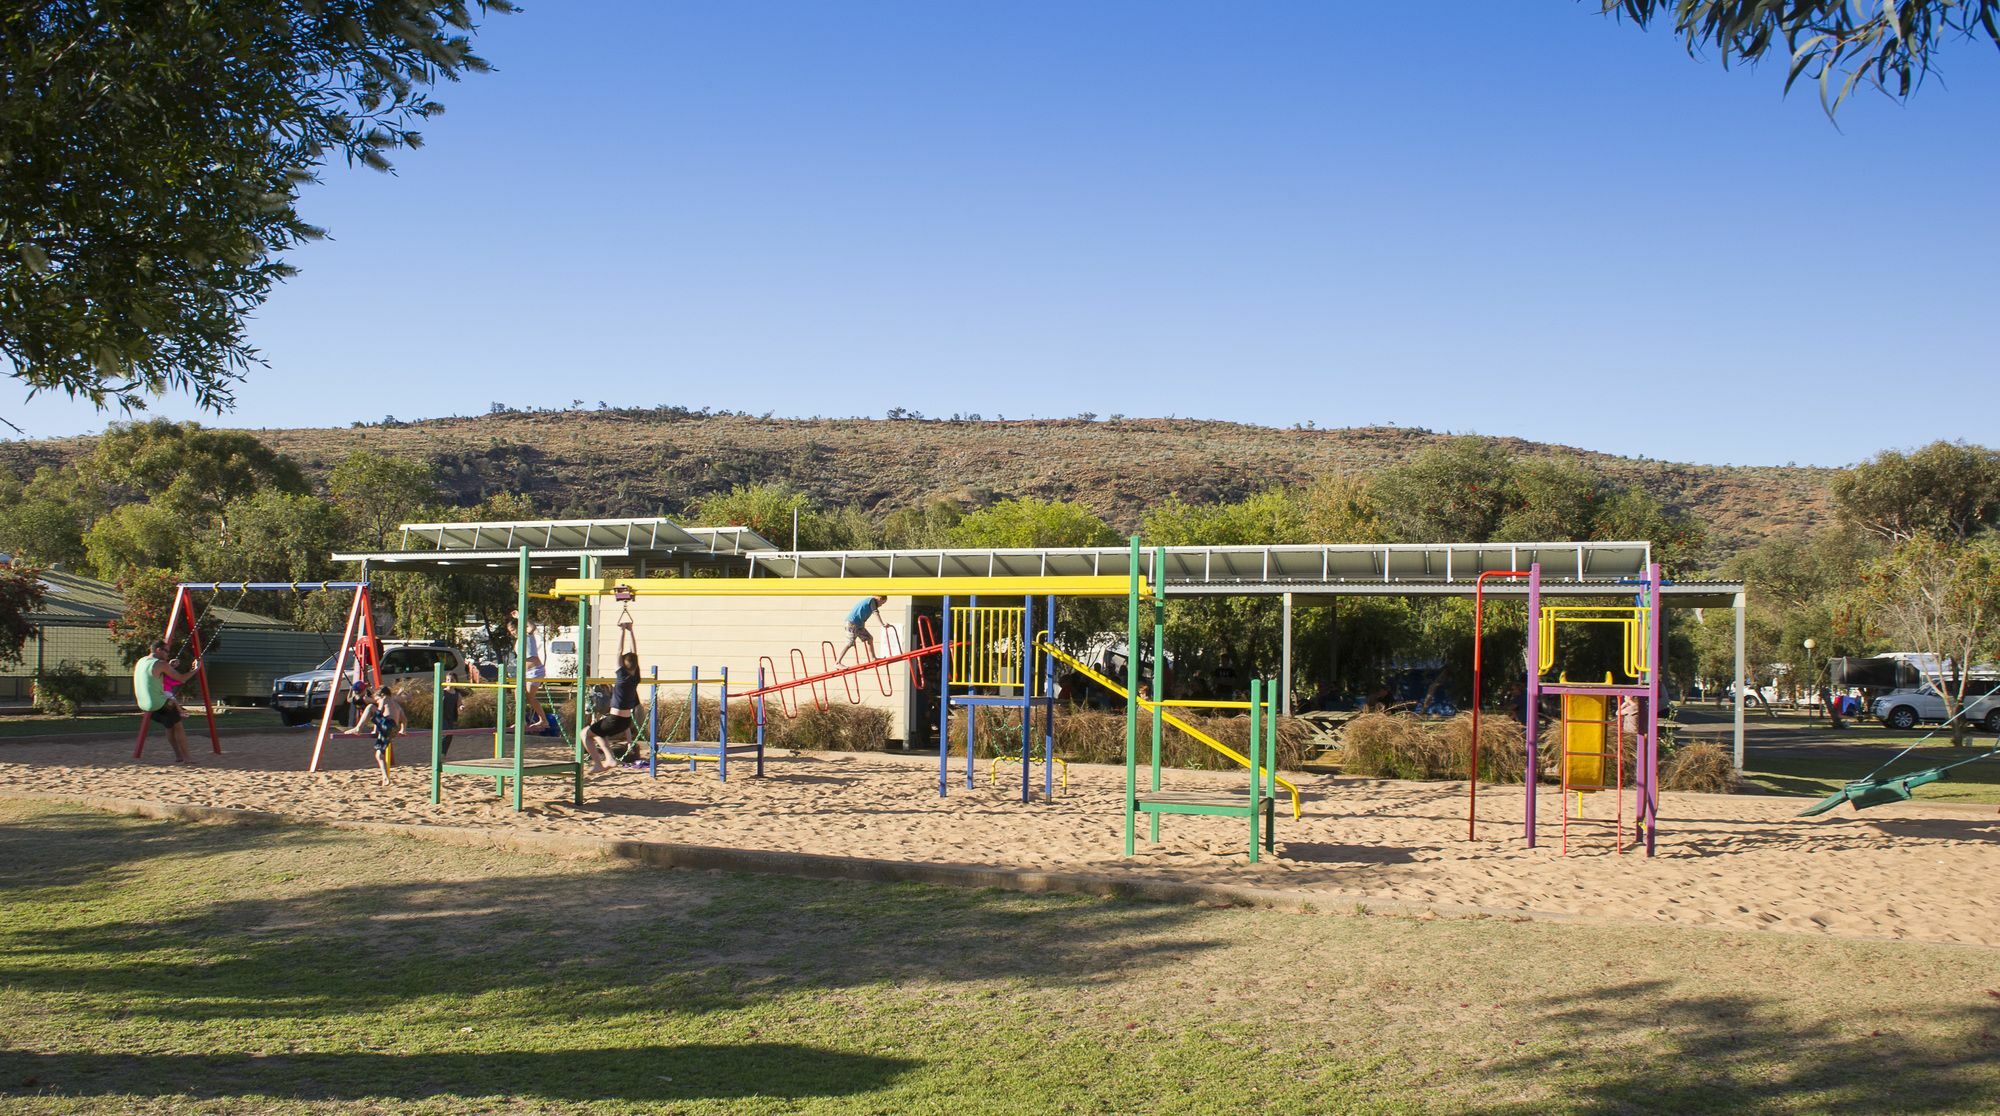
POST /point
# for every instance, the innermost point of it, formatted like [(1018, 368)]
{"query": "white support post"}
[(1285, 664), (1741, 682)]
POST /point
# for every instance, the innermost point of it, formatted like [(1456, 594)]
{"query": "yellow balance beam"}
[(1079, 586), (1211, 742)]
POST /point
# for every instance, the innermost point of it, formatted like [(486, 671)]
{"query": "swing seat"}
[(1875, 793)]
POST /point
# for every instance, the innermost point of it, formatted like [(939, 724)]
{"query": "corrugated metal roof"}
[(71, 600)]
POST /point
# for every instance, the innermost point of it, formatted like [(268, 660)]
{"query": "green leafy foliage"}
[(771, 509), (377, 493), (1946, 489), (66, 687), (20, 593), (1940, 597), (1029, 521), (151, 158), (1837, 44)]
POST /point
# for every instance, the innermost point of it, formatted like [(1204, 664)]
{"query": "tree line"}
[(1909, 562)]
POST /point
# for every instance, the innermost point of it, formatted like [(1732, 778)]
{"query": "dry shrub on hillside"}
[(1700, 767)]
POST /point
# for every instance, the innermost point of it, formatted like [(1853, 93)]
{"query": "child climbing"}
[(615, 727), (857, 626)]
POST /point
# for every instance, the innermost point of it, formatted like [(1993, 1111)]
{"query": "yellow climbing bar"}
[(1082, 585), (1216, 745)]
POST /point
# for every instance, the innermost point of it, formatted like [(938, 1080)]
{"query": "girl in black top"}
[(616, 726)]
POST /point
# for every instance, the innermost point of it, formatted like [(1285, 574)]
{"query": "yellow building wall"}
[(679, 633)]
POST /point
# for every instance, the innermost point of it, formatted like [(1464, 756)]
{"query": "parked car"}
[(1903, 709), (298, 698)]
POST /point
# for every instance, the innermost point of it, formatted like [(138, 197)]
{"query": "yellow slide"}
[(1217, 745)]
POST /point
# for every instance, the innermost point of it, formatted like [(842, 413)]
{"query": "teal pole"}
[(1132, 699), (1256, 749)]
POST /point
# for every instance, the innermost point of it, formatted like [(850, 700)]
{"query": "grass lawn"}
[(155, 966), (18, 726)]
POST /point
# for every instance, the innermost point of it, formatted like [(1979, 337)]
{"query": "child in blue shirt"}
[(857, 625)]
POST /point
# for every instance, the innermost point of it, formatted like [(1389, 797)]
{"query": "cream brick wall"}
[(679, 633)]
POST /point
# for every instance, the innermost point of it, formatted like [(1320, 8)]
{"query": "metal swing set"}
[(358, 640)]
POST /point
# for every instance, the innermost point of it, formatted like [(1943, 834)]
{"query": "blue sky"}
[(1509, 218)]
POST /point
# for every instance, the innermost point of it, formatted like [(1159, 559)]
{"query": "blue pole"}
[(722, 719), (1049, 700), (694, 712), (760, 723), (944, 701)]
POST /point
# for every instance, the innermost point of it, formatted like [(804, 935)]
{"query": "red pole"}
[(1478, 638), (201, 673)]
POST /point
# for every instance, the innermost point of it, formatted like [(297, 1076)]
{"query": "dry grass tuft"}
[(1701, 767)]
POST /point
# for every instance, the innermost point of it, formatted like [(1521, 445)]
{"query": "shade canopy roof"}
[(1309, 572), (556, 544)]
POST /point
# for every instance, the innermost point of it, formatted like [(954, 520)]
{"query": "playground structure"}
[(358, 639), (1596, 718), (1006, 650), (1011, 650), (510, 756)]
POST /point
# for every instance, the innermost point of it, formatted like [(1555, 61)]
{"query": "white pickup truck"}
[(1903, 709)]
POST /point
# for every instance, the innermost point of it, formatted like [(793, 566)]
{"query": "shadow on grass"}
[(566, 943), (65, 849), (697, 1071), (1737, 1051)]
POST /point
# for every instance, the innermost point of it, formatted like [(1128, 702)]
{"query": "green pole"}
[(1256, 749), (1132, 700), (1159, 667), (437, 728), (521, 682)]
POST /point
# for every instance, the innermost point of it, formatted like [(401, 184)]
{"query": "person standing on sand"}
[(857, 626), (152, 678), (385, 718), (532, 670)]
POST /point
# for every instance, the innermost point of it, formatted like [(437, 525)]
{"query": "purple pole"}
[(1655, 690), (944, 699), (1534, 689)]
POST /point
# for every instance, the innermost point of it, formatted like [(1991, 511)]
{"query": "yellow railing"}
[(1632, 622), (988, 649), (1242, 760)]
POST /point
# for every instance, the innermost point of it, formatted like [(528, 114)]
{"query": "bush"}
[(1701, 767), (66, 686)]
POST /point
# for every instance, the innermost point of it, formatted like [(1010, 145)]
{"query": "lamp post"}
[(1812, 668)]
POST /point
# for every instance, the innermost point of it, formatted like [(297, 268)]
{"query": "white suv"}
[(1902, 709), (298, 698)]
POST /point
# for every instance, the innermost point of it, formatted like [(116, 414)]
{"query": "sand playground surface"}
[(1910, 871)]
